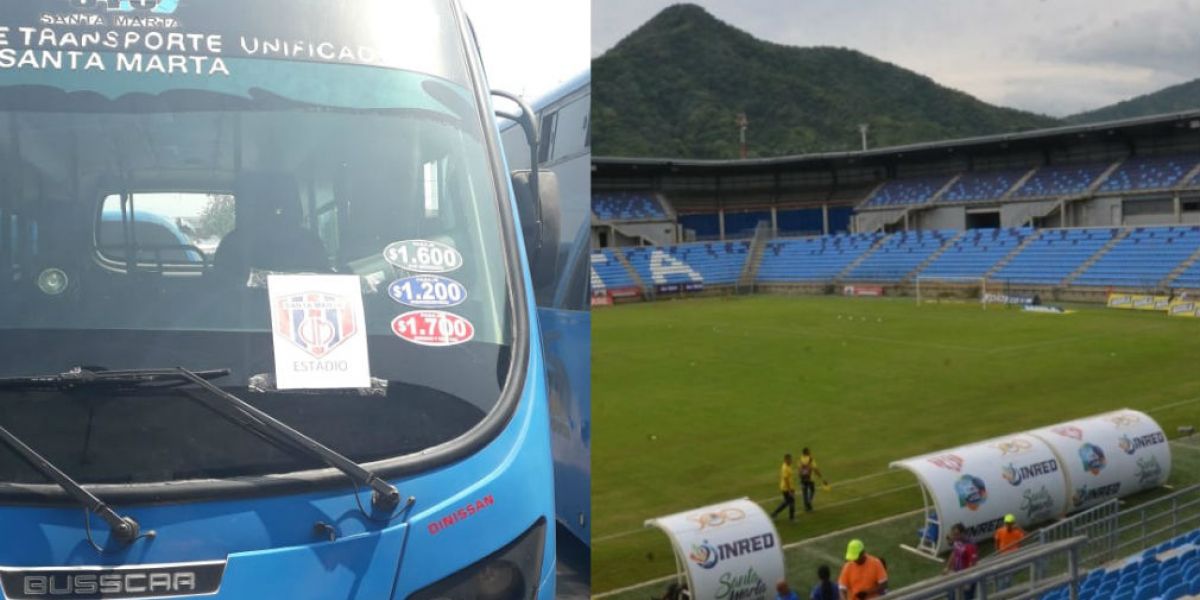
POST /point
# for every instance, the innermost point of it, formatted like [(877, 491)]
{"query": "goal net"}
[(935, 290)]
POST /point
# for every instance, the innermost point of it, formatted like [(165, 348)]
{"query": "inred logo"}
[(952, 462), (466, 512), (433, 328)]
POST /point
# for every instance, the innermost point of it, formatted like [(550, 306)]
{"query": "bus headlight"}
[(510, 573)]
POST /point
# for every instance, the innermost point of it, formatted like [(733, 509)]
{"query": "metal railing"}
[(1010, 576), (1154, 522)]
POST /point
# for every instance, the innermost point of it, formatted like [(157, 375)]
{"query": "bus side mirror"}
[(540, 218)]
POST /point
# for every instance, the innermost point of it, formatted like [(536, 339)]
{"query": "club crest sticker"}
[(428, 291), (315, 322), (972, 492), (1093, 458), (1070, 431), (319, 332), (704, 554), (423, 256), (952, 462), (434, 328)]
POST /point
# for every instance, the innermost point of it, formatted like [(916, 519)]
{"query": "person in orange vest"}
[(787, 486), (1007, 539), (863, 576)]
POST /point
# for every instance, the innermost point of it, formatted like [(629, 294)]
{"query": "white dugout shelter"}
[(1037, 476)]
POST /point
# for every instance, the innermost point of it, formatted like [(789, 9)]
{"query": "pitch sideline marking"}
[(790, 546), (1175, 404)]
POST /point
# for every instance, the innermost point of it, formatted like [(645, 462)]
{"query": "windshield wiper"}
[(384, 495), (86, 376), (124, 529)]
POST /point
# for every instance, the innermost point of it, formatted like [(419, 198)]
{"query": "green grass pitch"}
[(696, 401)]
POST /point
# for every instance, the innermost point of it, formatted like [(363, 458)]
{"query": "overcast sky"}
[(531, 46), (1056, 57)]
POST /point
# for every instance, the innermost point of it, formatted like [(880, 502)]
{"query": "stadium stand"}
[(713, 263), (609, 271), (814, 258), (627, 206), (974, 187), (1149, 173), (904, 192), (1189, 279), (1060, 181), (1168, 571), (1144, 258), (976, 252), (1054, 255), (900, 254)]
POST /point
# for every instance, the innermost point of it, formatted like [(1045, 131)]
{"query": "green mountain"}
[(1185, 96), (674, 87)]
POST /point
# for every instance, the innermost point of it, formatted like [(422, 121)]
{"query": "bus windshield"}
[(182, 180)]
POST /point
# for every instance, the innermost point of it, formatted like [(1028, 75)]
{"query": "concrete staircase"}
[(854, 264), (1091, 189), (1188, 177), (941, 191), (1178, 270), (871, 194), (758, 245), (1016, 186), (932, 257), (633, 274), (1087, 264), (1000, 264)]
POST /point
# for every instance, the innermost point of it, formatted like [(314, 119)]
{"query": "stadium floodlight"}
[(862, 130), (935, 289)]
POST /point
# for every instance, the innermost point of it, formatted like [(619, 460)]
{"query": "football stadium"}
[(891, 303)]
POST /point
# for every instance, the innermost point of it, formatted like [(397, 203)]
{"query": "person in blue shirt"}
[(825, 589), (783, 592)]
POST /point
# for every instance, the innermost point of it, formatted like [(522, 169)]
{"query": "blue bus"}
[(562, 293), (267, 320)]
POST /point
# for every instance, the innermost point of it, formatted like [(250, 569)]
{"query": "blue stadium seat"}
[(905, 192), (899, 255), (976, 252), (627, 206), (1054, 255), (710, 263), (1059, 180), (1149, 173), (1144, 258), (981, 186), (812, 259), (608, 272)]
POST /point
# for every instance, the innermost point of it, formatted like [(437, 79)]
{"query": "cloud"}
[(1162, 40)]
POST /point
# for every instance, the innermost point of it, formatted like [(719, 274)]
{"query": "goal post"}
[(935, 289)]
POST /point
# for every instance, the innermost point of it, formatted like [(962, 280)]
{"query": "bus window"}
[(571, 129), (160, 230)]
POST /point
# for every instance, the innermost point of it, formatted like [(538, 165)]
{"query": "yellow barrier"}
[(1184, 308), (1139, 302)]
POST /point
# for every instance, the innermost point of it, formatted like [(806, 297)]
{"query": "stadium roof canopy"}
[(1122, 131)]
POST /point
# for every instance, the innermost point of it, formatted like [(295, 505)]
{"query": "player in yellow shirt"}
[(808, 468), (787, 486)]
